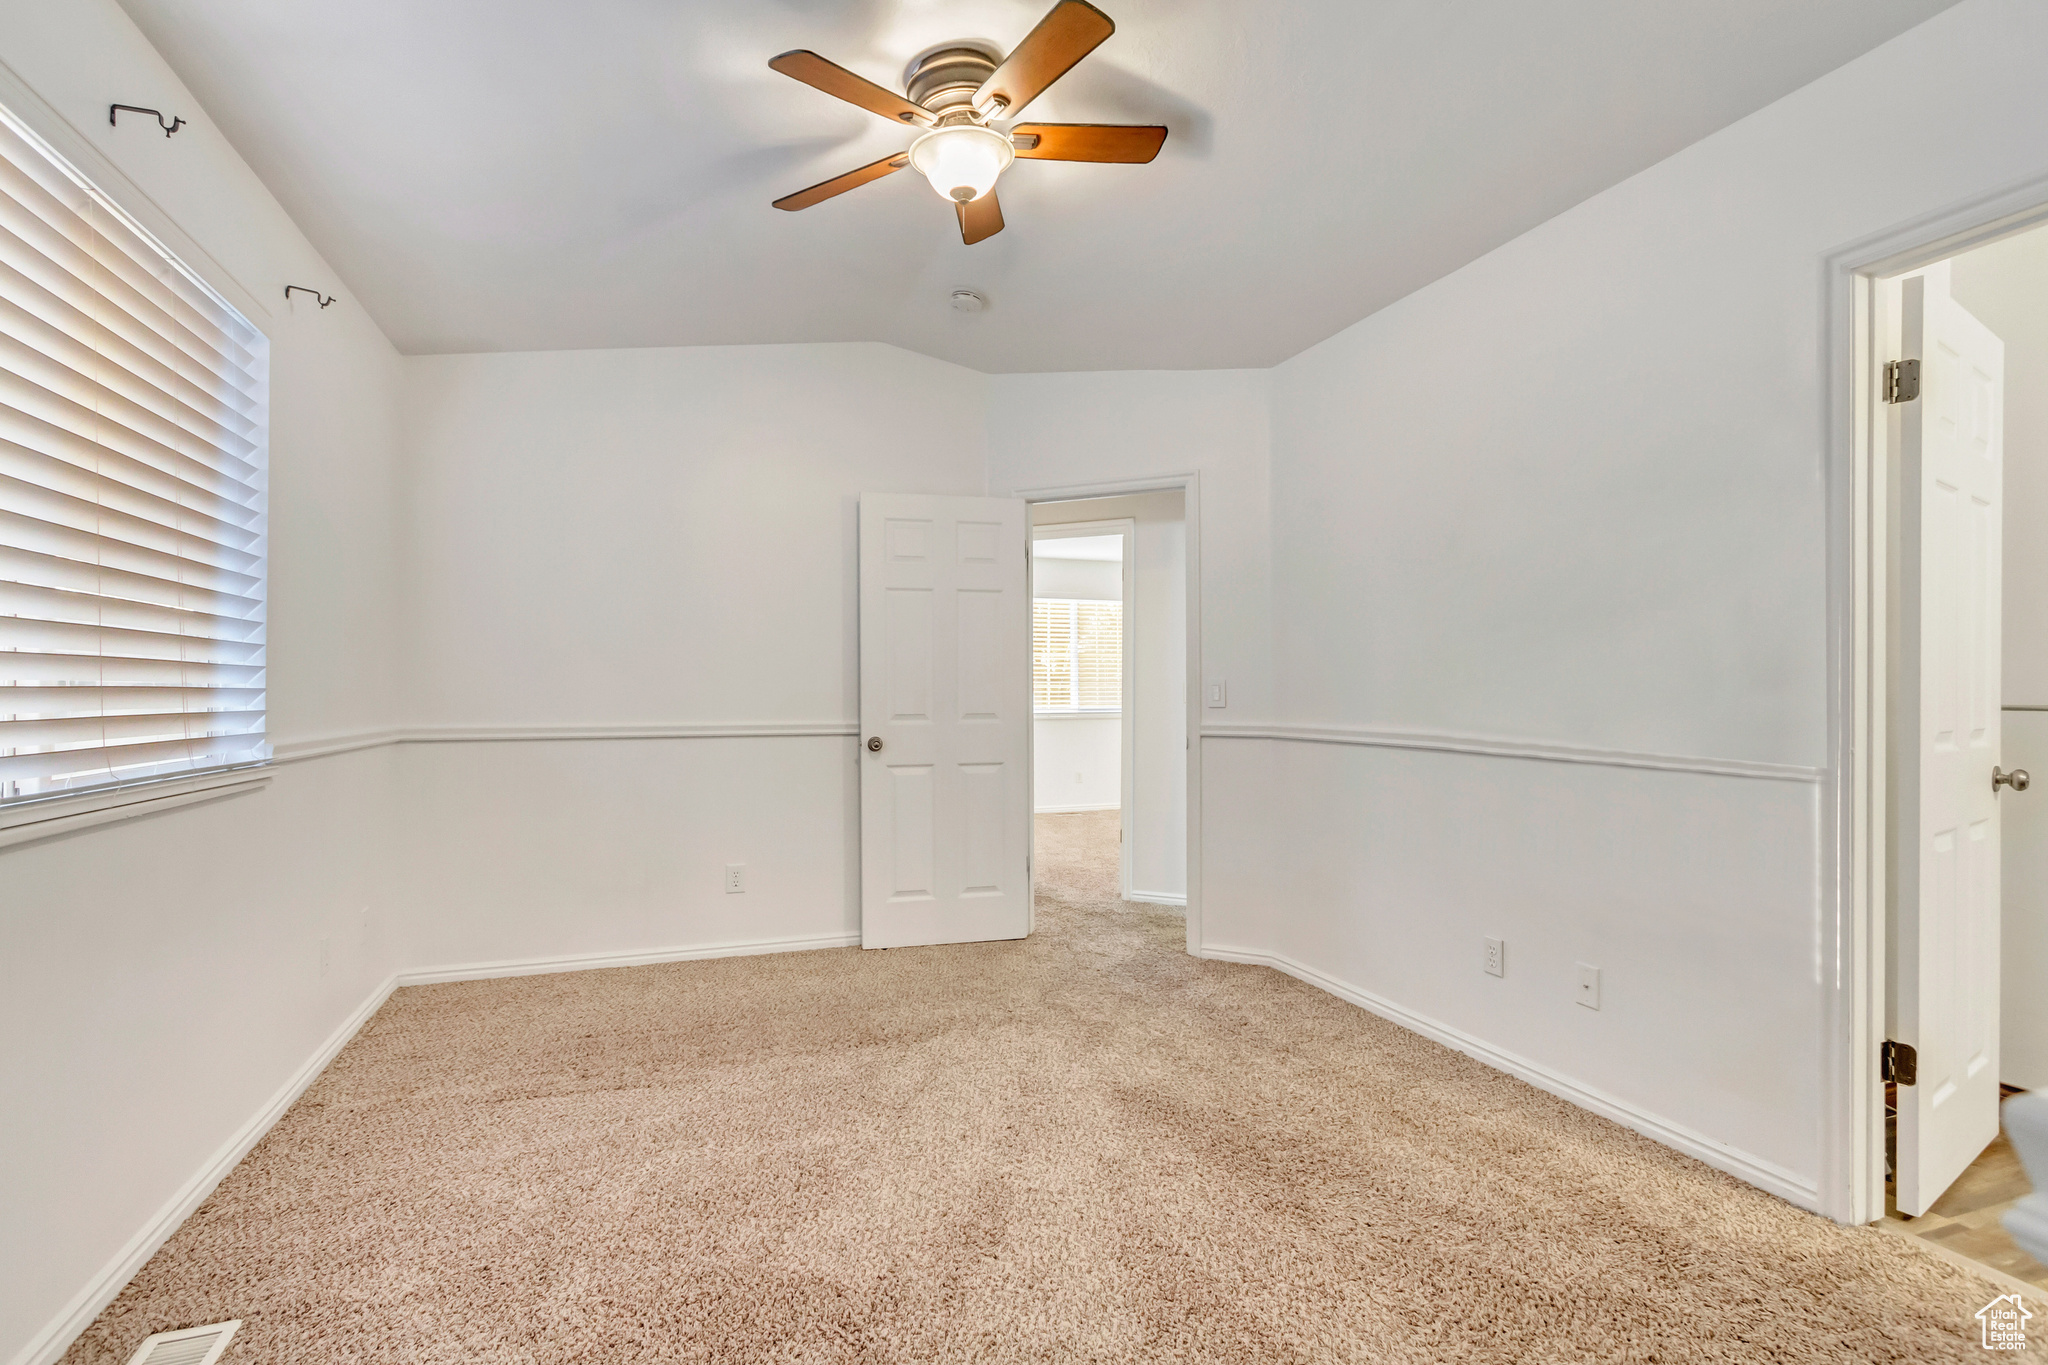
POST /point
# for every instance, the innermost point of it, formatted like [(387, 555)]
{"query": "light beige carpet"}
[(1086, 1146)]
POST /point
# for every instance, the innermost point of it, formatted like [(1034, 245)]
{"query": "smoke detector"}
[(967, 301)]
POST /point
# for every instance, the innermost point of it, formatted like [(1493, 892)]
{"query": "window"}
[(132, 518), (1077, 655)]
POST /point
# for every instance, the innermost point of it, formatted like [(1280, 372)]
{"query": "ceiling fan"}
[(955, 94)]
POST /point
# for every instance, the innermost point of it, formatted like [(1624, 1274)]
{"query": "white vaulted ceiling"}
[(534, 174)]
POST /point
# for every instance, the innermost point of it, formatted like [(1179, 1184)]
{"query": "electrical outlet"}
[(1589, 985), (1077, 779), (326, 956), (735, 878), (1496, 957)]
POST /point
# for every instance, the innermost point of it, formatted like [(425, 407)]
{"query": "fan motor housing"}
[(945, 79)]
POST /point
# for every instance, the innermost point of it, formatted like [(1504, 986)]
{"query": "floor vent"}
[(192, 1346)]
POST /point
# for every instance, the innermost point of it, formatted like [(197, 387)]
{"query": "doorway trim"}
[(1189, 486), (1852, 959)]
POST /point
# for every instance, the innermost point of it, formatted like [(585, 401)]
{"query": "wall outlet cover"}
[(735, 878), (1496, 957), (1589, 985)]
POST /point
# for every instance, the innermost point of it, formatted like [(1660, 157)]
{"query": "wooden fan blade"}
[(840, 184), (834, 79), (1126, 142), (980, 219), (1069, 32)]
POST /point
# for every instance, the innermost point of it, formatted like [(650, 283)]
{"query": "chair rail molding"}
[(298, 751), (1377, 737), (30, 821)]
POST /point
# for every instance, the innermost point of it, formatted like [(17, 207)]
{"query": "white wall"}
[(1065, 431), (1076, 763), (2006, 286), (649, 541), (1155, 617), (162, 974), (1571, 495), (1087, 580)]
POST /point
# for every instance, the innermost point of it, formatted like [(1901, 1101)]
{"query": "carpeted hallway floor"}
[(1086, 1146)]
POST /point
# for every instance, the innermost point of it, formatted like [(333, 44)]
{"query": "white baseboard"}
[(1157, 898), (49, 1345), (1765, 1175), (1075, 810), (583, 962)]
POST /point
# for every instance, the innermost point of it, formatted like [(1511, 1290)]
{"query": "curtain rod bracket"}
[(300, 288), (114, 112)]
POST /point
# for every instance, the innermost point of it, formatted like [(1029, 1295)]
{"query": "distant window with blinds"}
[(132, 531), (1077, 655)]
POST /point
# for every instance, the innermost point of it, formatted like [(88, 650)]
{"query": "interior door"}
[(945, 708), (1950, 475)]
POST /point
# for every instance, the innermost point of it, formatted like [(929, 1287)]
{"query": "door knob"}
[(875, 747), (2017, 779)]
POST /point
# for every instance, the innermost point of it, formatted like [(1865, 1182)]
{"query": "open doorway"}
[(1109, 695), (1961, 379)]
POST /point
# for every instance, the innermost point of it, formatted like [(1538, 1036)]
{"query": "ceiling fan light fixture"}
[(953, 90), (962, 160)]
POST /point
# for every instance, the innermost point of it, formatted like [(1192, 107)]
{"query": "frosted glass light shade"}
[(962, 161)]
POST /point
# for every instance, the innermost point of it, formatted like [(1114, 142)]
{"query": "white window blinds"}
[(132, 530), (1077, 655)]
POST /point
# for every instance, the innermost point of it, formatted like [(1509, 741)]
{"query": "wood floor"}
[(1966, 1219)]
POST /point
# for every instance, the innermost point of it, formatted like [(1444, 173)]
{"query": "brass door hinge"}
[(1900, 1063), (1901, 381)]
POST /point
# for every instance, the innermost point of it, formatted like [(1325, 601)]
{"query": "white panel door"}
[(1951, 454), (945, 713)]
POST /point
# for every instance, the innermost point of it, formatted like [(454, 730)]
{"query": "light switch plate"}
[(1219, 694), (1589, 985)]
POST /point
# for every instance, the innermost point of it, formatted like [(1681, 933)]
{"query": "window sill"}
[(1111, 713), (31, 820)]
